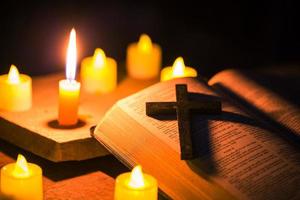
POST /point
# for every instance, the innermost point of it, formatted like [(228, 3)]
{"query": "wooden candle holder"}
[(37, 129)]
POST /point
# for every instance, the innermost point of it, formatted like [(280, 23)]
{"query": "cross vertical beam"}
[(183, 107)]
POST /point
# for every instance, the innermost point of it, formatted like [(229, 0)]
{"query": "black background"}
[(210, 36)]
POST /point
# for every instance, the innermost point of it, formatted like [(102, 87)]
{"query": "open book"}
[(249, 151)]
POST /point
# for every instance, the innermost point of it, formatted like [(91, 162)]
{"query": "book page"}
[(264, 100), (244, 158)]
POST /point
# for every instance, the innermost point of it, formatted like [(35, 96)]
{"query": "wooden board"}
[(37, 130)]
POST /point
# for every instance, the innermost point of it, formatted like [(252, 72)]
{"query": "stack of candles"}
[(23, 180)]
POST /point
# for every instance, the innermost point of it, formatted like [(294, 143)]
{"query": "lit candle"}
[(69, 89), (135, 186), (143, 59), (99, 73), (22, 180), (15, 91), (178, 70)]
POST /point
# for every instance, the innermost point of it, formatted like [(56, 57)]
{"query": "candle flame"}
[(136, 177), (145, 43), (99, 58), (178, 67), (71, 56), (13, 75), (21, 167)]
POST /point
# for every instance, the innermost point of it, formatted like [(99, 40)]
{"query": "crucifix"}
[(183, 107)]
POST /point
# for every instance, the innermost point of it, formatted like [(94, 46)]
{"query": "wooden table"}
[(92, 179), (89, 180)]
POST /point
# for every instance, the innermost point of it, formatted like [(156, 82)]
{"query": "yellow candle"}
[(99, 73), (178, 70), (22, 180), (69, 89), (135, 186), (15, 91), (143, 59)]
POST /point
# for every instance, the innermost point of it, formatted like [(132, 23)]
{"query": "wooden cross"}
[(183, 106)]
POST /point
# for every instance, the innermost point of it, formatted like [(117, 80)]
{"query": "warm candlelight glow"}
[(135, 185), (22, 180), (99, 58), (71, 56), (145, 44), (98, 73), (15, 91), (178, 70), (69, 89), (178, 67), (136, 178), (21, 167), (143, 59), (13, 75)]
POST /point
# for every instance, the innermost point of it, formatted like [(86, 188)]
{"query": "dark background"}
[(210, 36)]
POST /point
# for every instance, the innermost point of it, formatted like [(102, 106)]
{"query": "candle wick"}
[(70, 80)]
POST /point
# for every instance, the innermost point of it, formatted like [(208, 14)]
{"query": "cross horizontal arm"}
[(156, 108), (183, 107), (205, 106)]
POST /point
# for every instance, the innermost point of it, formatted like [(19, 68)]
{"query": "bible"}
[(249, 151)]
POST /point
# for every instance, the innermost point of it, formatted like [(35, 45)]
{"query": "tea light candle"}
[(178, 70), (69, 89), (135, 186), (22, 180), (15, 91), (143, 59), (99, 73)]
